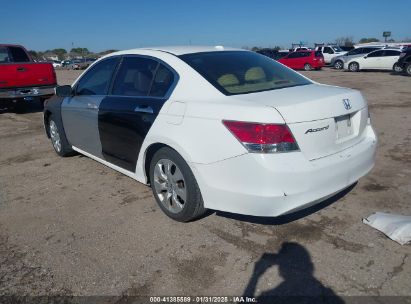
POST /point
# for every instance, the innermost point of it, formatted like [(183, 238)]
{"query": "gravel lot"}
[(71, 226)]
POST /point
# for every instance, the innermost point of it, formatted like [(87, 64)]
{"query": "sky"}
[(123, 24)]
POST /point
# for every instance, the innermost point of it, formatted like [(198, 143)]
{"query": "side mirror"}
[(365, 57), (64, 91)]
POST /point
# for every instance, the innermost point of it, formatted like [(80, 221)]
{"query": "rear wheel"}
[(308, 67), (397, 68), (174, 186), (408, 69), (354, 67), (338, 65)]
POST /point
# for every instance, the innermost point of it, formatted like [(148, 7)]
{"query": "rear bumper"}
[(19, 93), (277, 184)]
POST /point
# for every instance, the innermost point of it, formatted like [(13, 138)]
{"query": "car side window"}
[(4, 55), (18, 54), (97, 80), (328, 50), (163, 79), (135, 76), (294, 55), (376, 54), (391, 53)]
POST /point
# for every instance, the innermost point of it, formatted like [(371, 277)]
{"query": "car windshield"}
[(242, 72)]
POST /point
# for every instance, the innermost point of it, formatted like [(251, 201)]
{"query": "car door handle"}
[(92, 106), (144, 109), (21, 69)]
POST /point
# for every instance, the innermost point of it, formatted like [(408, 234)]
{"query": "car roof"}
[(387, 49), (181, 49)]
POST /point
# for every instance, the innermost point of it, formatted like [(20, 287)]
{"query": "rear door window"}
[(135, 76), (391, 53), (97, 80), (18, 54), (376, 54), (140, 76)]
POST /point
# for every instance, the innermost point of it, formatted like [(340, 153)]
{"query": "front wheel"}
[(308, 67), (354, 67), (338, 65), (174, 186), (58, 139)]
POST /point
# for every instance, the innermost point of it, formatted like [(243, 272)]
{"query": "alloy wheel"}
[(338, 65), (55, 136), (169, 185)]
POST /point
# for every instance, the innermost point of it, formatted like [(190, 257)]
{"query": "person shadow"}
[(299, 286)]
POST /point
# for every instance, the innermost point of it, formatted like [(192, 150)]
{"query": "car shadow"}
[(299, 285), (284, 219), (29, 107)]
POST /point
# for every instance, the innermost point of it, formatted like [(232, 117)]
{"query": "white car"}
[(217, 128), (384, 59), (330, 52), (56, 64)]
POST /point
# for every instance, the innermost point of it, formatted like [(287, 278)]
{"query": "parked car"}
[(306, 60), (218, 128), (346, 48), (404, 62), (383, 59), (56, 64), (330, 51), (273, 54), (338, 62), (21, 79)]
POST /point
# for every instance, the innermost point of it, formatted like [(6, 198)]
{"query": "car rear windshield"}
[(242, 72)]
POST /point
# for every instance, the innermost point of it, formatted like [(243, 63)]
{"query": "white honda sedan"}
[(217, 128), (384, 59)]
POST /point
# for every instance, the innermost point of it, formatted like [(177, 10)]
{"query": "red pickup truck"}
[(23, 80)]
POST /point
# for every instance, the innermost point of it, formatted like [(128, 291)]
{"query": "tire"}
[(353, 67), (308, 67), (397, 68), (58, 139), (338, 65), (174, 186), (407, 69)]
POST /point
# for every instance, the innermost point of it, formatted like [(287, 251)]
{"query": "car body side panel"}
[(123, 123), (80, 119)]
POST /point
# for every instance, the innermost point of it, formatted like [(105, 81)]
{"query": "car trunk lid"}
[(323, 119)]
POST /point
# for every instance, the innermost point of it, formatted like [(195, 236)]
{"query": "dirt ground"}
[(71, 226)]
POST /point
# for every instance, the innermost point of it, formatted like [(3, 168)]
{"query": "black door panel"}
[(123, 124)]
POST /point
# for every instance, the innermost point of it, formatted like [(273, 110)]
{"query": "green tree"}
[(345, 41), (367, 40), (60, 53), (79, 50), (34, 54)]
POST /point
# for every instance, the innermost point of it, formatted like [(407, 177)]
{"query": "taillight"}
[(262, 138)]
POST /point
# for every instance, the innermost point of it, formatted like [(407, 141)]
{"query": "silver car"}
[(338, 62)]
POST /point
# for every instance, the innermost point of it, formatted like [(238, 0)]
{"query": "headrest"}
[(255, 74), (228, 80)]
